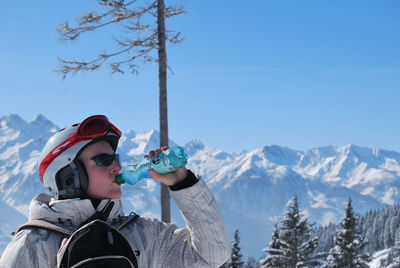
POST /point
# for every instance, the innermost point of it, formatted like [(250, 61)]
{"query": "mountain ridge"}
[(252, 187)]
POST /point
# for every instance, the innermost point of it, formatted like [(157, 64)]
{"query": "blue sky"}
[(299, 74)]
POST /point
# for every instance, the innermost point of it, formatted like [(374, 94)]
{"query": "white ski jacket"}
[(203, 243)]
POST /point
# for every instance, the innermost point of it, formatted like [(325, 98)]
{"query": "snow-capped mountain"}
[(252, 188)]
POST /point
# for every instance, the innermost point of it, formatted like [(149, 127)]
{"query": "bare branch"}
[(170, 69), (176, 39), (133, 51), (67, 67), (115, 4), (93, 20), (138, 27), (91, 17), (122, 43), (73, 67), (133, 68), (172, 11), (115, 68)]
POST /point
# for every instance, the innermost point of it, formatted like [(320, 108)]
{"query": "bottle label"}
[(161, 164), (156, 159)]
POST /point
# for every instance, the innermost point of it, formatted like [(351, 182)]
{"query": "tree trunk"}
[(162, 75)]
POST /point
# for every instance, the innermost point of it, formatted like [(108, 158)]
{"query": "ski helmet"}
[(59, 167)]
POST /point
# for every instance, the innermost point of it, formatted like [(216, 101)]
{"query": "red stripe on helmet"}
[(59, 149)]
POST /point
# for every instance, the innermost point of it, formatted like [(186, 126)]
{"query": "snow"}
[(378, 257), (252, 187), (368, 191), (388, 198), (143, 140), (319, 199), (391, 165), (328, 217)]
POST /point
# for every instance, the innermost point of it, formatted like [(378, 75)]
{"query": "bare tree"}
[(145, 20)]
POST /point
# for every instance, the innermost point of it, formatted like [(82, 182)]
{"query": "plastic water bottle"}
[(165, 162)]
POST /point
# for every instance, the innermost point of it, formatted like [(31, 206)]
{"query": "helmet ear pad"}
[(83, 176), (72, 180)]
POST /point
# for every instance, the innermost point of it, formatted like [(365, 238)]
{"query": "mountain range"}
[(252, 187)]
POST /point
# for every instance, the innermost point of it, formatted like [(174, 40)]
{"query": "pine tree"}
[(292, 245), (370, 228), (295, 238), (236, 256), (348, 244), (274, 255), (251, 263), (394, 256)]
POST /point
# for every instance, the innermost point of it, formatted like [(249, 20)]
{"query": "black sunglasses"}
[(105, 160)]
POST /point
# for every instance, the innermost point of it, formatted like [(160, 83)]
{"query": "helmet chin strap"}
[(95, 202), (100, 215)]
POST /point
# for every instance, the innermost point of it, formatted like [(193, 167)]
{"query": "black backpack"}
[(94, 245)]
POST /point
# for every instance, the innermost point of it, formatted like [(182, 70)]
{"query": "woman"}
[(79, 166)]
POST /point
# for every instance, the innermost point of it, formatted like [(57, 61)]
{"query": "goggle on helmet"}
[(59, 169)]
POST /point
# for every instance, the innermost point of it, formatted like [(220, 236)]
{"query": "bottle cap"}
[(119, 179)]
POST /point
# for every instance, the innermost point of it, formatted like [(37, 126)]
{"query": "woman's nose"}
[(115, 167)]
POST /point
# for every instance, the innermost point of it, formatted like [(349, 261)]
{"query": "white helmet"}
[(59, 168)]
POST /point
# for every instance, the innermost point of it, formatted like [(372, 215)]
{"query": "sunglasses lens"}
[(105, 160)]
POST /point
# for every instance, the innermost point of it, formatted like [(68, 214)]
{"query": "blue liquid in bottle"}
[(165, 162)]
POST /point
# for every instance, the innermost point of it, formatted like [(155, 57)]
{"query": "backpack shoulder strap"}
[(125, 220), (44, 225)]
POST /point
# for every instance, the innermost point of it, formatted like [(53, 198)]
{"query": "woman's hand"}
[(171, 178)]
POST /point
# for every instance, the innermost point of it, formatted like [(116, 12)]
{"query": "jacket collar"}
[(70, 212)]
